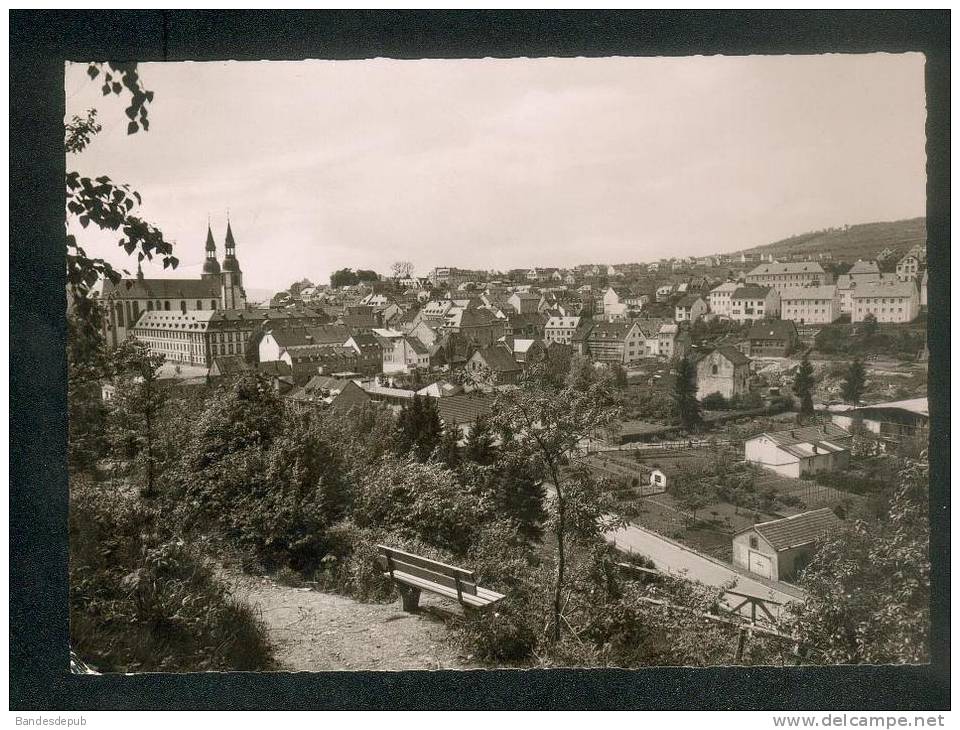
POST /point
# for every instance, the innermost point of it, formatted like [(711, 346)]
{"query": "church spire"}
[(211, 245), (139, 271), (211, 267)]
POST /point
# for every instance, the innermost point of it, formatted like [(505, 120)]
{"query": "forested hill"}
[(853, 242)]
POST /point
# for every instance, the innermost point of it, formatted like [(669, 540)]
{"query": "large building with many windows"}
[(219, 287)]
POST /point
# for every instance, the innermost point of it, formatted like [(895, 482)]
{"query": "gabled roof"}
[(885, 289), (417, 345), (609, 330), (826, 291), (162, 289), (751, 291), (310, 336), (809, 441), (464, 408), (789, 267), (864, 267), (727, 286), (689, 300), (231, 365), (801, 529), (732, 354), (772, 329), (499, 359)]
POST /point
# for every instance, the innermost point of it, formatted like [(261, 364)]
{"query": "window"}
[(754, 543), (199, 304), (119, 314), (149, 306), (166, 306), (183, 307), (213, 304), (715, 369)]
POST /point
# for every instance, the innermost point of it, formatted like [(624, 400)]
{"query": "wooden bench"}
[(413, 573)]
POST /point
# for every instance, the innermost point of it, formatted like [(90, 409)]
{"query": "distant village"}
[(745, 321)]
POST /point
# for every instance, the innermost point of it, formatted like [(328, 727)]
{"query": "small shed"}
[(779, 549), (800, 451)]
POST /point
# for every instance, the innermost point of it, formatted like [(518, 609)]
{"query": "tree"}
[(803, 385), (692, 491), (137, 402), (548, 425), (367, 276), (343, 277), (448, 452), (418, 428), (685, 401), (870, 326), (519, 496), (868, 587), (479, 446), (401, 269), (100, 201), (854, 382), (87, 366)]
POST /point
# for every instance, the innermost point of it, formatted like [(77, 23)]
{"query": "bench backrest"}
[(432, 570)]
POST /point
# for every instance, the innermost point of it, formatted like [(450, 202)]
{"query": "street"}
[(672, 557)]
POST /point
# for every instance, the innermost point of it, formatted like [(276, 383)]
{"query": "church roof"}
[(161, 289)]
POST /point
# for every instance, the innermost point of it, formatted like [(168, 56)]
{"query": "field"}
[(811, 494)]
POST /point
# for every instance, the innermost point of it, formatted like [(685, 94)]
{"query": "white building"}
[(908, 268), (719, 298), (780, 549), (810, 304), (800, 451), (560, 329), (690, 308), (789, 274), (752, 303), (888, 302)]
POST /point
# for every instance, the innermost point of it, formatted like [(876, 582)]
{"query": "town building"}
[(888, 302), (810, 304), (690, 308), (771, 338), (800, 451), (719, 298), (780, 549), (525, 302), (724, 370), (846, 286), (560, 329), (219, 287), (498, 361), (611, 304), (610, 342), (892, 421), (672, 342), (911, 265), (864, 271), (788, 274), (752, 303)]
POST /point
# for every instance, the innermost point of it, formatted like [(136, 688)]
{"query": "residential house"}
[(846, 286), (560, 329), (528, 326), (480, 326), (664, 292), (720, 298), (810, 304), (780, 549), (888, 302), (525, 302), (672, 342), (612, 305), (526, 352), (690, 308), (369, 352), (462, 409), (724, 370), (498, 361), (403, 354), (229, 366), (771, 338), (285, 343), (610, 342), (800, 451), (910, 266), (751, 303), (790, 274)]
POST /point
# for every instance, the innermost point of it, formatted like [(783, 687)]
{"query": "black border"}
[(41, 41)]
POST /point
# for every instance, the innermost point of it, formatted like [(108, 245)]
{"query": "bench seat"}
[(484, 596)]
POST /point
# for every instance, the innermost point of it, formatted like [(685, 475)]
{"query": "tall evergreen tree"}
[(418, 428), (803, 385), (448, 451), (854, 382), (685, 395), (479, 446), (519, 496)]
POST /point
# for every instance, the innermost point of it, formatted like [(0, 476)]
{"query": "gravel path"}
[(313, 631)]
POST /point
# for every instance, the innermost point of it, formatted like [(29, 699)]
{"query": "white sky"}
[(508, 163)]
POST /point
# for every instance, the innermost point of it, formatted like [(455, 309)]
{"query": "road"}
[(672, 557)]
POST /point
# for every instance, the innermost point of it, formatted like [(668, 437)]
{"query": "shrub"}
[(143, 600), (715, 402)]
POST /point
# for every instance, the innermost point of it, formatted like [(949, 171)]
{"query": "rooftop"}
[(801, 529)]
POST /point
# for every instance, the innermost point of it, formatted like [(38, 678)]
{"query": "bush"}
[(715, 402), (143, 600)]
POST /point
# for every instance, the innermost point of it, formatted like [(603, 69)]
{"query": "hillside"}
[(854, 242)]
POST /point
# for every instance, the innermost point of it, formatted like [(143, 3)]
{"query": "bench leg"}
[(410, 597)]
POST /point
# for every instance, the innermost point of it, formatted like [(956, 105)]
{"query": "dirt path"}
[(313, 631)]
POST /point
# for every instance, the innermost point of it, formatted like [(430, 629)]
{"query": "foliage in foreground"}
[(142, 600)]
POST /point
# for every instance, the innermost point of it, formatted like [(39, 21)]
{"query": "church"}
[(220, 287)]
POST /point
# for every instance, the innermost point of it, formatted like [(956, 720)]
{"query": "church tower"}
[(211, 267), (233, 296)]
